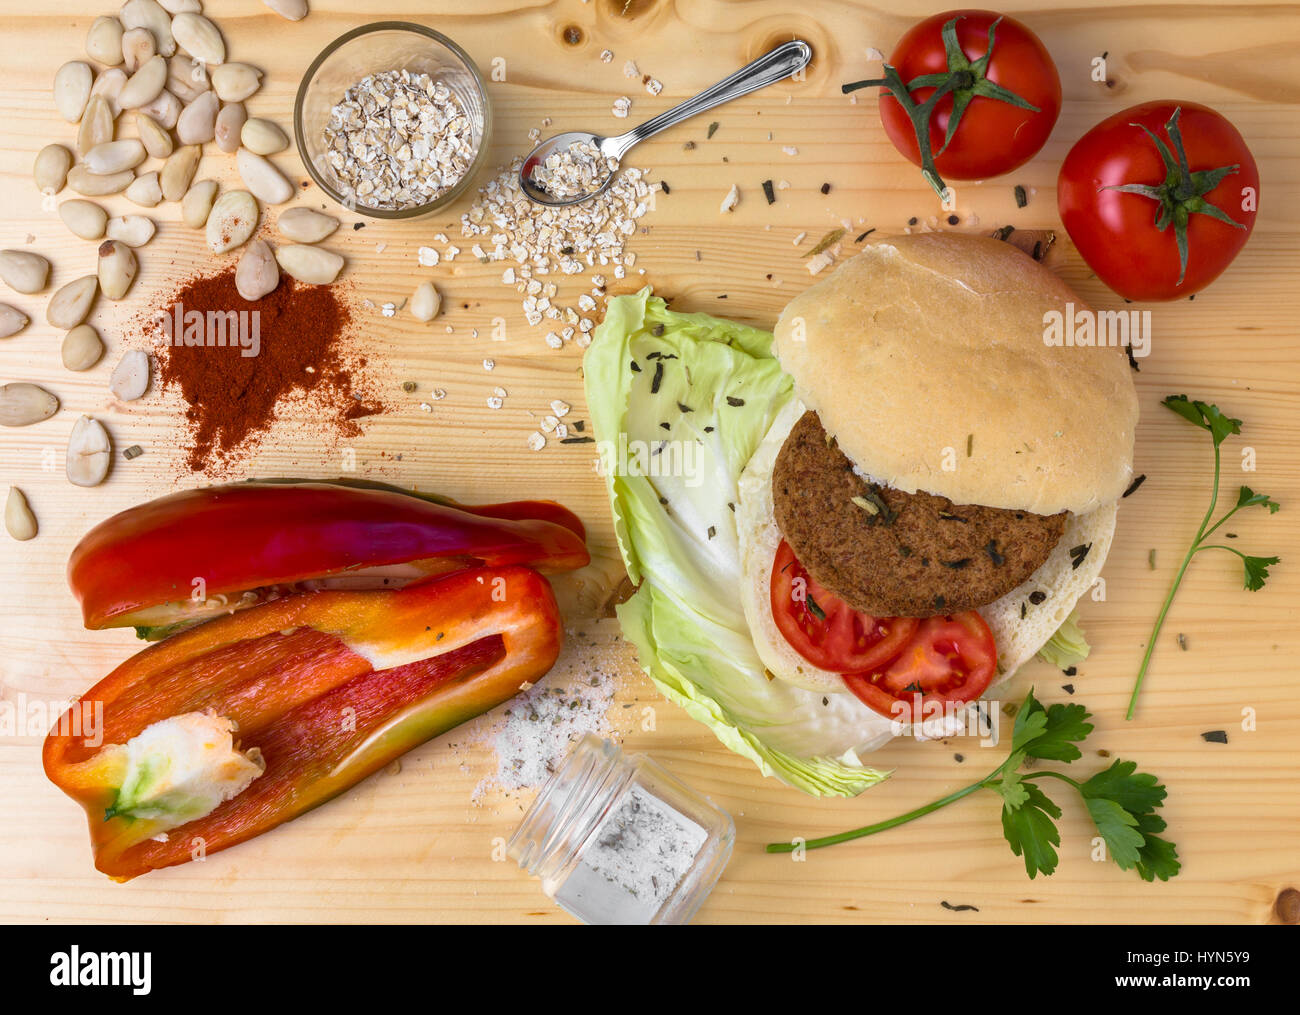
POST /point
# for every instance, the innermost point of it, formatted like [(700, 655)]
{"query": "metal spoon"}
[(768, 69)]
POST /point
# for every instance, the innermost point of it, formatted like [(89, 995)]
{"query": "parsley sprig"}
[(1255, 569), (1121, 801)]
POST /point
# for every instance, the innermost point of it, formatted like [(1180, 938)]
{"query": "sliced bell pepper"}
[(321, 689), (539, 510), (202, 553)]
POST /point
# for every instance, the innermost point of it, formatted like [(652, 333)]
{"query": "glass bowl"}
[(372, 49)]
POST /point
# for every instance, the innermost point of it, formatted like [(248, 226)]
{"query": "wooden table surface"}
[(412, 845)]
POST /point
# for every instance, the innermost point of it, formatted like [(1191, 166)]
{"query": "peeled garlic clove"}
[(72, 83), (50, 170), (234, 82), (199, 37), (137, 46), (197, 123), (109, 86), (178, 172), (309, 264), (130, 378), (145, 190), (302, 225), (114, 156), (85, 218), (291, 10), (145, 85), (89, 184), (257, 273), (157, 142), (81, 348), (97, 125), (426, 301), (263, 137), (133, 230), (24, 271), (19, 520), (196, 206), (23, 404), (89, 452), (262, 178), (187, 78), (231, 221), (116, 269), (166, 109), (12, 320), (104, 41), (149, 14), (71, 304), (230, 122)]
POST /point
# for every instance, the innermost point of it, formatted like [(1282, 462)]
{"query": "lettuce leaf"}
[(1068, 646), (673, 490)]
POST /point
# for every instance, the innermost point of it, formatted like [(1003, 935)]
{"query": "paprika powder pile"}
[(241, 366)]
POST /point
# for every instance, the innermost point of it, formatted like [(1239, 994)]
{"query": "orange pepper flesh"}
[(293, 676)]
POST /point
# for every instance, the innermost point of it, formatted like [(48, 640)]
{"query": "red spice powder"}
[(305, 360)]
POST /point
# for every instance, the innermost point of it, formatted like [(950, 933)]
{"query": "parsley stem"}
[(1220, 546), (880, 826), (1173, 589), (1054, 775)]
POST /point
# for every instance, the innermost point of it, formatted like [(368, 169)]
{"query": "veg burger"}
[(925, 513)]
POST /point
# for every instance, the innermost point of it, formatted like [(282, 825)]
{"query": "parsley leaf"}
[(1118, 827), (1248, 498), (1031, 723), (1011, 789), (1120, 800), (1066, 726), (1135, 791), (1031, 831), (1256, 569), (1205, 415), (1158, 858)]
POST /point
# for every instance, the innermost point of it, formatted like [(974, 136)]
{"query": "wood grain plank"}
[(410, 846)]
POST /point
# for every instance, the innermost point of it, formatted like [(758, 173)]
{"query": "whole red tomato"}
[(1001, 89), (1159, 198)]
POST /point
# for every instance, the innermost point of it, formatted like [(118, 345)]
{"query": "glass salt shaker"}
[(617, 839)]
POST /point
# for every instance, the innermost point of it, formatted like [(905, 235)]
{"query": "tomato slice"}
[(823, 628), (949, 659)]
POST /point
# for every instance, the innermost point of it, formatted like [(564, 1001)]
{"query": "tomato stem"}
[(964, 79), (1182, 194)]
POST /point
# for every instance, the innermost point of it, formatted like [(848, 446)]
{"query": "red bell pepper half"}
[(202, 553), (319, 689)]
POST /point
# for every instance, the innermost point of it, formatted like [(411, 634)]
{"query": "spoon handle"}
[(768, 69)]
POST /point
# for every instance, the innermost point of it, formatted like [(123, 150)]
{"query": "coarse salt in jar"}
[(617, 839)]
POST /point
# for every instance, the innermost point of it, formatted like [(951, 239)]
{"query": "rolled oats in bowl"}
[(398, 140)]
